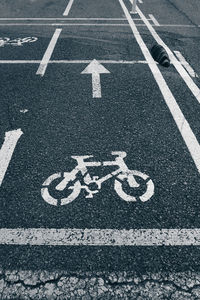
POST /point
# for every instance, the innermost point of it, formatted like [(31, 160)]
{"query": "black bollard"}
[(160, 55)]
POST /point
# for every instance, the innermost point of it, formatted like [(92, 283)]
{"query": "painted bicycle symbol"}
[(16, 42), (92, 185)]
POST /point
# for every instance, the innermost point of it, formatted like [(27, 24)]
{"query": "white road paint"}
[(185, 76), (23, 111), (95, 68), (182, 124), (140, 1), (74, 61), (61, 24), (17, 41), (63, 19), (154, 20), (69, 6), (70, 180), (100, 237), (89, 24), (7, 149), (185, 64), (44, 62)]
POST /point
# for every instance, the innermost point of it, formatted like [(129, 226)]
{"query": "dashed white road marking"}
[(185, 64), (44, 62), (7, 149), (182, 124), (188, 80), (154, 20), (67, 10), (100, 237)]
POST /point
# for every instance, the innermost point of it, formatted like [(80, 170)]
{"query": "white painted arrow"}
[(95, 68)]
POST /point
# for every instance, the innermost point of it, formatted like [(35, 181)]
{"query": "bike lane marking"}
[(185, 76), (69, 6), (95, 69), (154, 20), (62, 61), (44, 62), (179, 118), (183, 61), (7, 149), (100, 237)]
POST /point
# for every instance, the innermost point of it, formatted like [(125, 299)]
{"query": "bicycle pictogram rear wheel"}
[(75, 187)]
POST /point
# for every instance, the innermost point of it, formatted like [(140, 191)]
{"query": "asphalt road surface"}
[(78, 79)]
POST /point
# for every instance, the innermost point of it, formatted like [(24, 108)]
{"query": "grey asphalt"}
[(64, 120)]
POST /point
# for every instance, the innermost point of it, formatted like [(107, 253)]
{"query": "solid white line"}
[(186, 64), (7, 149), (154, 20), (44, 62), (88, 24), (179, 118), (100, 237), (188, 80), (71, 19), (66, 12), (61, 24), (73, 61)]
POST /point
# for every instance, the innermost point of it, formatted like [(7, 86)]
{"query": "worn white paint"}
[(44, 62), (95, 68), (185, 64), (70, 180), (63, 19), (185, 76), (154, 20), (74, 61), (100, 237), (69, 6), (62, 24), (134, 7), (23, 111), (179, 118), (91, 24), (7, 149)]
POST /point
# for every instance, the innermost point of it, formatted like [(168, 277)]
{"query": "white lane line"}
[(73, 61), (100, 237), (185, 76), (44, 62), (62, 24), (185, 64), (179, 118), (71, 19), (7, 149), (67, 10), (90, 24), (154, 20)]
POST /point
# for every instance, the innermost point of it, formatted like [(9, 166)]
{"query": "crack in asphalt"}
[(99, 285)]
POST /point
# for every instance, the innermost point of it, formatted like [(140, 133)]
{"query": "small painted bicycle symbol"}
[(16, 42), (92, 185)]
